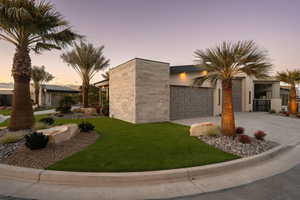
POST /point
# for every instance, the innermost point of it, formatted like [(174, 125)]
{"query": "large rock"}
[(200, 128), (60, 134), (89, 111)]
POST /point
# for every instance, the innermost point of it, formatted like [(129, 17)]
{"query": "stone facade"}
[(139, 91)]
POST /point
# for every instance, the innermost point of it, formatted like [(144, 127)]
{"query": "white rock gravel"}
[(232, 145)]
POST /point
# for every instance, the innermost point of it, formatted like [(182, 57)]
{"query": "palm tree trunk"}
[(292, 100), (37, 94), (22, 113), (228, 123), (85, 94)]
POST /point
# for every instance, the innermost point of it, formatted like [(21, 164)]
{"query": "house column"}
[(276, 100)]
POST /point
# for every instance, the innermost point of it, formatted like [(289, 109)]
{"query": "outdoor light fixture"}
[(182, 76)]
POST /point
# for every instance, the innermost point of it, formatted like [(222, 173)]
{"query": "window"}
[(250, 97)]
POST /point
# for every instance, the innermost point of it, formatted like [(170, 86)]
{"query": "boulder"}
[(200, 128), (89, 111), (60, 134)]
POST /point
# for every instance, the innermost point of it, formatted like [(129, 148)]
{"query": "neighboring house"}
[(142, 90), (50, 95), (6, 93)]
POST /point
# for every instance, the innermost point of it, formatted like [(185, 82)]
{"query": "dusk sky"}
[(171, 30)]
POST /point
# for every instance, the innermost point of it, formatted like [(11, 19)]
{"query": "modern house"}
[(50, 95), (142, 90)]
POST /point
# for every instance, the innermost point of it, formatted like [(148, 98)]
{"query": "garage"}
[(190, 102)]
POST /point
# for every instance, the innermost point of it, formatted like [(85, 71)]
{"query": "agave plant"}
[(30, 25), (223, 63), (292, 78)]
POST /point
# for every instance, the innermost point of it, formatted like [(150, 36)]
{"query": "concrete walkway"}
[(284, 130)]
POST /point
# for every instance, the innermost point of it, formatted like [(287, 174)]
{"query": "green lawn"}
[(5, 112), (126, 147)]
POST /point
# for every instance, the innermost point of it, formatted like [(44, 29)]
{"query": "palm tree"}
[(86, 60), (105, 75), (223, 63), (38, 76), (29, 25), (291, 78)]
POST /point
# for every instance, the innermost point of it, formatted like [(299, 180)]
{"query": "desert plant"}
[(30, 26), (65, 104), (272, 111), (292, 78), (40, 126), (10, 138), (239, 130), (86, 127), (36, 140), (105, 109), (226, 61), (260, 135), (245, 139), (86, 61), (213, 131), (47, 120)]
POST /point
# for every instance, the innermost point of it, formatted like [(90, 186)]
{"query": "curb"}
[(136, 178)]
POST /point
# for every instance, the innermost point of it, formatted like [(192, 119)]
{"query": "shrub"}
[(239, 130), (10, 138), (86, 127), (287, 114), (213, 131), (47, 120), (65, 104), (40, 126), (272, 111), (36, 140), (105, 109), (245, 139), (260, 135), (298, 115)]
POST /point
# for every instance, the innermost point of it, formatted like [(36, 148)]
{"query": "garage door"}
[(190, 102), (237, 95)]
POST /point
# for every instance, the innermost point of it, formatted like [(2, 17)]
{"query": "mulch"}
[(42, 158)]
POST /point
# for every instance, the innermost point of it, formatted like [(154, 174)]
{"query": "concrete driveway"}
[(284, 130)]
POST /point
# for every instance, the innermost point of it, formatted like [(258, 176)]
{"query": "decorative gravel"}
[(232, 145), (42, 158)]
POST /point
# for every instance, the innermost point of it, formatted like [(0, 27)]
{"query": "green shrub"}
[(36, 140), (40, 126), (10, 138), (47, 120), (86, 127), (65, 104), (105, 109), (213, 131)]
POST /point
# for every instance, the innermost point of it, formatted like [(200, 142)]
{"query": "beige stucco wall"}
[(122, 92), (139, 91)]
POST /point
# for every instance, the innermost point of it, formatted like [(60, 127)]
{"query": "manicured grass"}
[(5, 112), (37, 117), (126, 147)]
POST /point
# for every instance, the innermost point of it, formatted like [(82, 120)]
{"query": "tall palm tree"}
[(291, 78), (86, 60), (105, 75), (223, 63), (39, 76), (29, 25)]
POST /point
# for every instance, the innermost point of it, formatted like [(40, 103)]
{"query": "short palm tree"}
[(39, 76), (292, 78), (29, 25), (86, 60), (223, 63)]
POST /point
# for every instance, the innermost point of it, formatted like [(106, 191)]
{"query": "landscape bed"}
[(126, 147)]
